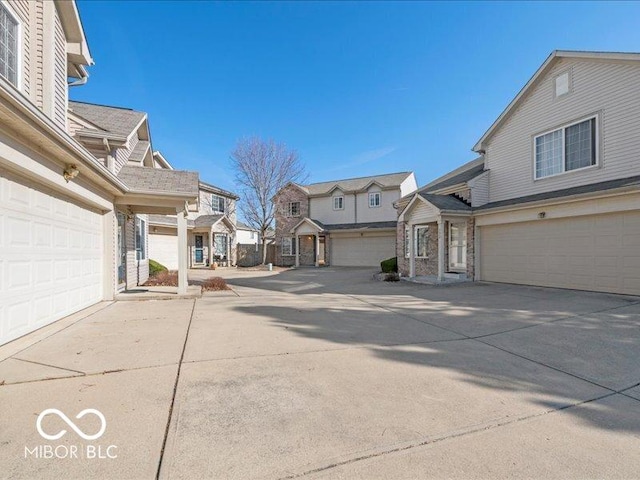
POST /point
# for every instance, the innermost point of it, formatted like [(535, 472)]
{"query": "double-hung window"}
[(218, 203), (374, 199), (288, 246), (141, 236), (571, 147), (338, 203), (422, 240), (293, 209), (9, 31)]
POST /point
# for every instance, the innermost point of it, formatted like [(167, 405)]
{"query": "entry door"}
[(199, 251), (458, 246), (122, 250)]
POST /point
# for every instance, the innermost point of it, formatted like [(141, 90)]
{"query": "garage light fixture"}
[(542, 214), (70, 172)]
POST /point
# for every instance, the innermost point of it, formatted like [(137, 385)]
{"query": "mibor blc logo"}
[(73, 451)]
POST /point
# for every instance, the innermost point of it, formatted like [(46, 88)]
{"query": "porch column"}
[(228, 249), (317, 250), (295, 239), (440, 249), (210, 253), (182, 252), (412, 256)]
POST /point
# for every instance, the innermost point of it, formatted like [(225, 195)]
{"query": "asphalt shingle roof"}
[(359, 226), (446, 202), (355, 184), (206, 220), (147, 179), (566, 192), (120, 121), (462, 174), (218, 190)]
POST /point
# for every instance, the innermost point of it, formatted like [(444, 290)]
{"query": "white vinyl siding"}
[(606, 89), (9, 45), (60, 89)]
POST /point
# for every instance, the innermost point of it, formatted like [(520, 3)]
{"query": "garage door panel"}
[(51, 258), (590, 253), (362, 251)]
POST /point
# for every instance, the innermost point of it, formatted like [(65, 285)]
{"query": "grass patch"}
[(156, 267)]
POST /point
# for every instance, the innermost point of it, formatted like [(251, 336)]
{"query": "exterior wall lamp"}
[(70, 172)]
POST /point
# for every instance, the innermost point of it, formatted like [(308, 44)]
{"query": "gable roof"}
[(117, 120), (542, 70), (463, 174), (388, 180), (212, 188), (448, 203)]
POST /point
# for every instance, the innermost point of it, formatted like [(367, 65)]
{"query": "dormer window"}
[(218, 204), (338, 203), (9, 27), (374, 199)]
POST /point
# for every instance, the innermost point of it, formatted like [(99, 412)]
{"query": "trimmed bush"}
[(155, 268), (215, 284), (390, 265), (163, 279)]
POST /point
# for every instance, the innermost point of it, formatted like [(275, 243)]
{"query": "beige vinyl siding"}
[(610, 90), (37, 54), (21, 9), (60, 100), (421, 212), (321, 208), (480, 190), (384, 213), (131, 144)]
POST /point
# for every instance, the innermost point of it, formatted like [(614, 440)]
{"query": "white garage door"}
[(365, 251), (50, 259), (599, 252)]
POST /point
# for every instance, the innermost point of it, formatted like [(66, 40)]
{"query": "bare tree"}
[(262, 168)]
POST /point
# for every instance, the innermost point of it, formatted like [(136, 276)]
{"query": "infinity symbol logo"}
[(58, 435)]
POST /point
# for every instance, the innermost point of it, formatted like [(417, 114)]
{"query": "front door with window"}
[(458, 246), (199, 249)]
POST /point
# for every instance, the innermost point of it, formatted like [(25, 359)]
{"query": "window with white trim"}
[(288, 246), (218, 203), (141, 236), (407, 241), (338, 203), (9, 54), (293, 209), (374, 199), (422, 241), (571, 147)]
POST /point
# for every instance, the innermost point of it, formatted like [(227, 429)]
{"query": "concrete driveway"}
[(328, 374)]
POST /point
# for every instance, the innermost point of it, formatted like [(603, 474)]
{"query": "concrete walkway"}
[(325, 373)]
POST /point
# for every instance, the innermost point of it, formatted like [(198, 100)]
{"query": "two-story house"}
[(554, 199), (68, 207), (212, 231), (347, 222)]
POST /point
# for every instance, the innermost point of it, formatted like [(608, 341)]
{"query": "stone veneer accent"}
[(284, 224)]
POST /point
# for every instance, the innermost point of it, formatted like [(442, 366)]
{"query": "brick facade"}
[(284, 223)]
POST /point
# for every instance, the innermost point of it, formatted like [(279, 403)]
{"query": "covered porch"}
[(152, 191), (438, 234), (310, 238), (211, 241)]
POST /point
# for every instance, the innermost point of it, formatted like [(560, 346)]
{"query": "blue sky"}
[(357, 88)]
